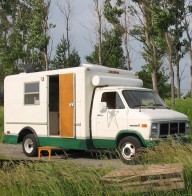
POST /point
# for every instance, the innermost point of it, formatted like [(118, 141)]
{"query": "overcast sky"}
[(82, 36)]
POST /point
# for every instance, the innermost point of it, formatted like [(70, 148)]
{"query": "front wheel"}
[(30, 145), (128, 147)]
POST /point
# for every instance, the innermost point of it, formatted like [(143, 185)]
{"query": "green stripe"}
[(10, 139), (67, 143), (104, 143), (145, 143), (81, 144)]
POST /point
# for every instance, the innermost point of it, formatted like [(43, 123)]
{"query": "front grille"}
[(171, 128)]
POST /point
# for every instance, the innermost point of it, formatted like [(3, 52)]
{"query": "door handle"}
[(99, 115), (71, 105)]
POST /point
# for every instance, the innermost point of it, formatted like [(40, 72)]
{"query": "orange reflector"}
[(144, 125)]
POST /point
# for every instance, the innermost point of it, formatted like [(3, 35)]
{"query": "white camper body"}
[(70, 108)]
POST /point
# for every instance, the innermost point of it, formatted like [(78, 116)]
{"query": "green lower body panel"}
[(73, 143), (10, 139), (67, 143), (104, 143)]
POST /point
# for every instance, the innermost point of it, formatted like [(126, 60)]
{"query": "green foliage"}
[(162, 79), (112, 51), (1, 123), (183, 106), (62, 59), (52, 179), (23, 35), (68, 178)]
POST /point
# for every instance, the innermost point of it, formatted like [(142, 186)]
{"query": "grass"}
[(1, 123), (68, 178), (52, 179), (183, 106)]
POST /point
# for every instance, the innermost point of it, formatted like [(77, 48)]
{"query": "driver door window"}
[(113, 100)]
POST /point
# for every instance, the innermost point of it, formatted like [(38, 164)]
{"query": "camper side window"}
[(31, 93), (113, 100)]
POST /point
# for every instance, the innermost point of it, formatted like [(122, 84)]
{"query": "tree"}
[(99, 12), (187, 26), (61, 59), (146, 32), (126, 27), (162, 78), (66, 10), (112, 51), (170, 15), (23, 35)]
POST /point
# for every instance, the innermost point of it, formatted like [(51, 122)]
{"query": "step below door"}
[(67, 105)]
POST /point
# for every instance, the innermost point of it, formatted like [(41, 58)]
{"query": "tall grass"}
[(68, 178), (183, 106), (52, 179), (171, 151), (1, 123)]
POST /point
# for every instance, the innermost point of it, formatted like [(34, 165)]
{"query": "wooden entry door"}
[(67, 105)]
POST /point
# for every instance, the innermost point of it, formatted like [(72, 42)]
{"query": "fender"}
[(124, 133), (24, 132)]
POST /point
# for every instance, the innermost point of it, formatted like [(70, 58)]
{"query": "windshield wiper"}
[(139, 106), (160, 105)]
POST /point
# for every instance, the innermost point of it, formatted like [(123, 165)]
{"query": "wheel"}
[(30, 145), (128, 147)]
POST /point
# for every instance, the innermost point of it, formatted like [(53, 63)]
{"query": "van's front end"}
[(151, 119), (129, 118)]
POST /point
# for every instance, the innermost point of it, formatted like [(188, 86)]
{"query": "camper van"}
[(87, 107)]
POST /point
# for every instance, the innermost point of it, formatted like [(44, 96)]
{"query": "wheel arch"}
[(25, 131), (124, 133)]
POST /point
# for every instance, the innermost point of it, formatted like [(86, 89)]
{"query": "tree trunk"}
[(68, 41), (99, 30), (46, 61), (178, 75), (150, 46), (126, 40), (171, 70), (45, 33), (191, 69), (154, 80), (190, 49)]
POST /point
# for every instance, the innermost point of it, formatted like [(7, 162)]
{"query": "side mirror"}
[(103, 107)]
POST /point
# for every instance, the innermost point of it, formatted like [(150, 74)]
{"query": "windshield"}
[(144, 99)]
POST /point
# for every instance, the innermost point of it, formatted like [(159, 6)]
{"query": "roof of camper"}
[(88, 67)]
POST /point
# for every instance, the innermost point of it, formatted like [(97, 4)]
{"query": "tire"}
[(128, 148), (30, 145)]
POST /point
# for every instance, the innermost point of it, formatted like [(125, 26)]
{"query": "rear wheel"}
[(128, 147), (30, 145)]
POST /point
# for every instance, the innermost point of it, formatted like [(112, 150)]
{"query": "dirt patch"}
[(99, 158)]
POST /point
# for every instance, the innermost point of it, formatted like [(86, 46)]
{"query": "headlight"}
[(154, 130), (187, 129)]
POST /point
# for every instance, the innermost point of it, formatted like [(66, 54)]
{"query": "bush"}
[(1, 123), (183, 106)]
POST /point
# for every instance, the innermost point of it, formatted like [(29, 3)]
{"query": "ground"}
[(86, 158)]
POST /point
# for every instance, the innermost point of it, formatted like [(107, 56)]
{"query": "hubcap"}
[(28, 145), (128, 151)]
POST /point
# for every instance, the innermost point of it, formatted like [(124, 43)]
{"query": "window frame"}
[(32, 93), (117, 93)]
